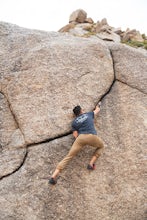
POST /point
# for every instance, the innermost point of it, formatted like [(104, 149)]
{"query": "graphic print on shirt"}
[(84, 124), (82, 118)]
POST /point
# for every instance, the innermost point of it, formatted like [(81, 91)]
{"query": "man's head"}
[(77, 110)]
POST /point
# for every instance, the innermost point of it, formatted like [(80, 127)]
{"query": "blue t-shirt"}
[(84, 124)]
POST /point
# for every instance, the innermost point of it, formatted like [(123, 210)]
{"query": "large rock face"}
[(43, 76)]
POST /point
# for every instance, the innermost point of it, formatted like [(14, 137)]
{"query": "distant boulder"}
[(78, 16), (132, 35), (89, 20), (102, 26)]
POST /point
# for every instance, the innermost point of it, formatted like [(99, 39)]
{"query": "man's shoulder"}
[(91, 113)]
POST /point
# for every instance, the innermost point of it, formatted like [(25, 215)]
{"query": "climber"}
[(84, 133)]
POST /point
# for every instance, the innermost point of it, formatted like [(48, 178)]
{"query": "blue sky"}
[(52, 15)]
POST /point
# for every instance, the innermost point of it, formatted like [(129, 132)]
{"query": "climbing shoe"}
[(52, 181), (89, 167)]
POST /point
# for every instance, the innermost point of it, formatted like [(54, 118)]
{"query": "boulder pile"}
[(79, 24)]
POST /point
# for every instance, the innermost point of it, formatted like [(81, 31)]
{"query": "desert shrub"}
[(136, 43), (144, 36), (88, 34)]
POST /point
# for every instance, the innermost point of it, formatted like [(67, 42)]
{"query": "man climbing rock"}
[(85, 134)]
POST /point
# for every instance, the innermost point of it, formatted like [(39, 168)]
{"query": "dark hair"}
[(77, 110)]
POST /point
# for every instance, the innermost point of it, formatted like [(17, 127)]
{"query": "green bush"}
[(88, 34), (136, 44), (144, 36)]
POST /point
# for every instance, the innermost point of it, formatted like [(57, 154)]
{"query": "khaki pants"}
[(80, 142)]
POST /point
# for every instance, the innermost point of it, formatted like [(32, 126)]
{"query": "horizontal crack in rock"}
[(133, 87), (116, 79), (50, 139)]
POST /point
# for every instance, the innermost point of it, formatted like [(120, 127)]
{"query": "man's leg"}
[(100, 147), (76, 147), (56, 173), (96, 142), (93, 160)]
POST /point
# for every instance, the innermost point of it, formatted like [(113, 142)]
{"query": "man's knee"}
[(99, 149), (100, 143)]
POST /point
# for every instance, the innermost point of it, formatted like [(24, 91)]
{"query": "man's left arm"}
[(75, 134), (97, 109)]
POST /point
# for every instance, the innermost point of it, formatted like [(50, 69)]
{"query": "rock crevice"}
[(12, 113), (17, 168), (131, 86), (114, 79)]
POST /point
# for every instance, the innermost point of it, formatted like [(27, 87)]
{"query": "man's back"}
[(84, 124)]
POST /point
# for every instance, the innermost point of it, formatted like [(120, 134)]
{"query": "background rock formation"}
[(42, 77), (79, 24)]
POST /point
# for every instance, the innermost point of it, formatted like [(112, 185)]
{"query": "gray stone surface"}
[(130, 66), (12, 141), (42, 77), (125, 116), (51, 72), (115, 190)]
